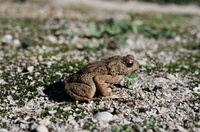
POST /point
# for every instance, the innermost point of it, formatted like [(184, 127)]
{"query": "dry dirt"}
[(80, 9)]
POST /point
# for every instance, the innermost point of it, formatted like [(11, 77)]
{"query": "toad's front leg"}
[(102, 82)]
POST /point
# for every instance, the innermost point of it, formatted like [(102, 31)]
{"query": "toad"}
[(98, 76)]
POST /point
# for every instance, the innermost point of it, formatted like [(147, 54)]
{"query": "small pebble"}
[(181, 129), (45, 121), (30, 68), (19, 69), (103, 116), (171, 77), (8, 38), (16, 42), (2, 81), (197, 89), (3, 130), (52, 39), (41, 128)]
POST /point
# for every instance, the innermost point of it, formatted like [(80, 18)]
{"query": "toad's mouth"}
[(133, 69)]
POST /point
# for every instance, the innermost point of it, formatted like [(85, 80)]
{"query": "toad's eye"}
[(129, 63)]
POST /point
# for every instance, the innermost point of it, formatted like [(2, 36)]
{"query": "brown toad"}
[(98, 76)]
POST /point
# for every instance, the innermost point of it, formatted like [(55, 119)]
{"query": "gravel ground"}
[(37, 55)]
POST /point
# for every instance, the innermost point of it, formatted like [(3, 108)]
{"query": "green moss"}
[(122, 128)]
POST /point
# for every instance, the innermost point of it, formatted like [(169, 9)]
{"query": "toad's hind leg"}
[(104, 81), (80, 91)]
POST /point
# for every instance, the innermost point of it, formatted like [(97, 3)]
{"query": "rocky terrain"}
[(41, 43)]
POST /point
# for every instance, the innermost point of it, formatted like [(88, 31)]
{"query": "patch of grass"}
[(167, 25), (150, 26), (60, 113), (22, 27), (129, 80), (191, 45), (4, 125), (97, 47), (152, 69), (197, 98), (19, 83), (26, 84), (89, 126), (122, 128), (157, 33), (44, 113), (184, 67), (150, 123), (187, 62), (99, 30), (194, 83)]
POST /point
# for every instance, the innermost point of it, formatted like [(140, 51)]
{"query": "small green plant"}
[(157, 33), (53, 119), (123, 128), (150, 123), (4, 125), (129, 80), (44, 113), (100, 30), (93, 30), (60, 113), (89, 126)]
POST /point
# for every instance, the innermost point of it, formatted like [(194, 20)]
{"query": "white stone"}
[(30, 68), (16, 42), (10, 98), (49, 63), (3, 130), (162, 110), (45, 121), (41, 128), (40, 58), (181, 129), (2, 81), (103, 116), (19, 69), (52, 39), (8, 38), (23, 126), (52, 112), (198, 35), (178, 38), (197, 89), (171, 77)]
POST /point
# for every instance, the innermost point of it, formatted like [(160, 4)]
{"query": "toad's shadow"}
[(56, 92)]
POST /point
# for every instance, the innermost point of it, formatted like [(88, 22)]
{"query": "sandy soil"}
[(88, 8)]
